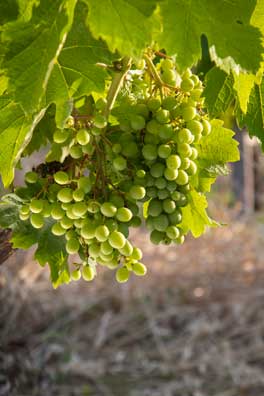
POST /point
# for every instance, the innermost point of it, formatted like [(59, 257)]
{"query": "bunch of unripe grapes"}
[(145, 159)]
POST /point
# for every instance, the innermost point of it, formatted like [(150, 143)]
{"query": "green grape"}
[(78, 223), (61, 177), (70, 234), (60, 136), (83, 137), (78, 195), (157, 169), (185, 136), (85, 184), (88, 231), (192, 169), (47, 207), (76, 275), (116, 148), (65, 195), (168, 76), (153, 104), (88, 149), (70, 214), (185, 188), (166, 132), (135, 222), (122, 275), (106, 248), (24, 210), (162, 116), (36, 206), (180, 240), (152, 192), (184, 149), (101, 233), (137, 122), (164, 151), (183, 201), (195, 127), (23, 217), (108, 209), (167, 64), (70, 122), (160, 183), (206, 127), (66, 222), (169, 103), (57, 212), (76, 152), (93, 206), (156, 237), (163, 194), (172, 232), (185, 163), (124, 214), (168, 206), (171, 186), (100, 121), (31, 177), (79, 209), (116, 200), (155, 208), (149, 152), (173, 161), (161, 222), (88, 273), (187, 74), (187, 84), (117, 240), (142, 109), (139, 269), (37, 221), (57, 229), (176, 195), (175, 217), (195, 79), (127, 250), (153, 127), (137, 192), (120, 163), (194, 154), (182, 177), (188, 113), (130, 150), (72, 246), (171, 174), (136, 254)]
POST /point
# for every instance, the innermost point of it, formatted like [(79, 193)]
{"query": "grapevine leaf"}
[(243, 85), (126, 26), (254, 118), (8, 11), (218, 91), (218, 147), (29, 68), (195, 218), (185, 21), (15, 132)]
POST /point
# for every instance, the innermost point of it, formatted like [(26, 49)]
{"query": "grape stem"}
[(154, 74), (116, 84)]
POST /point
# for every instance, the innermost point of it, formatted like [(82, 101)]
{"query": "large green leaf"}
[(218, 91), (218, 147), (126, 26), (225, 23), (34, 47), (254, 117), (243, 84), (15, 132), (195, 217)]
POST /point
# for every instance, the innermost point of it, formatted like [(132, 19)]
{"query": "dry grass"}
[(193, 327)]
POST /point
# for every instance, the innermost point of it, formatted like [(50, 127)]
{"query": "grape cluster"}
[(145, 158)]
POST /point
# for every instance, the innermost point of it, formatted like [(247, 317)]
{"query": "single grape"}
[(79, 209), (157, 169), (57, 212), (60, 136), (164, 151), (160, 183), (175, 217), (37, 220), (195, 127), (194, 154), (156, 237), (206, 127), (153, 104), (83, 137), (137, 122), (137, 192), (24, 210), (122, 275), (88, 273), (101, 233), (57, 229), (106, 248), (88, 231), (61, 177), (155, 208), (66, 222), (136, 254), (65, 195), (93, 206), (161, 222), (167, 64), (31, 177), (169, 103), (153, 127), (166, 132), (117, 240), (185, 136), (100, 121), (36, 206), (171, 174), (185, 163), (127, 250), (23, 217), (72, 246), (180, 240), (173, 161), (163, 194), (182, 177), (120, 163), (124, 214), (188, 113), (78, 195), (85, 183), (192, 169), (172, 232), (78, 223), (187, 84), (168, 206), (149, 152), (184, 149), (108, 209), (76, 152), (162, 116), (139, 269)]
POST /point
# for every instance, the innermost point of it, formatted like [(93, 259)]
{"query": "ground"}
[(194, 326)]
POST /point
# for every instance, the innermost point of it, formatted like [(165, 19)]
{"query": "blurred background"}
[(193, 326)]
